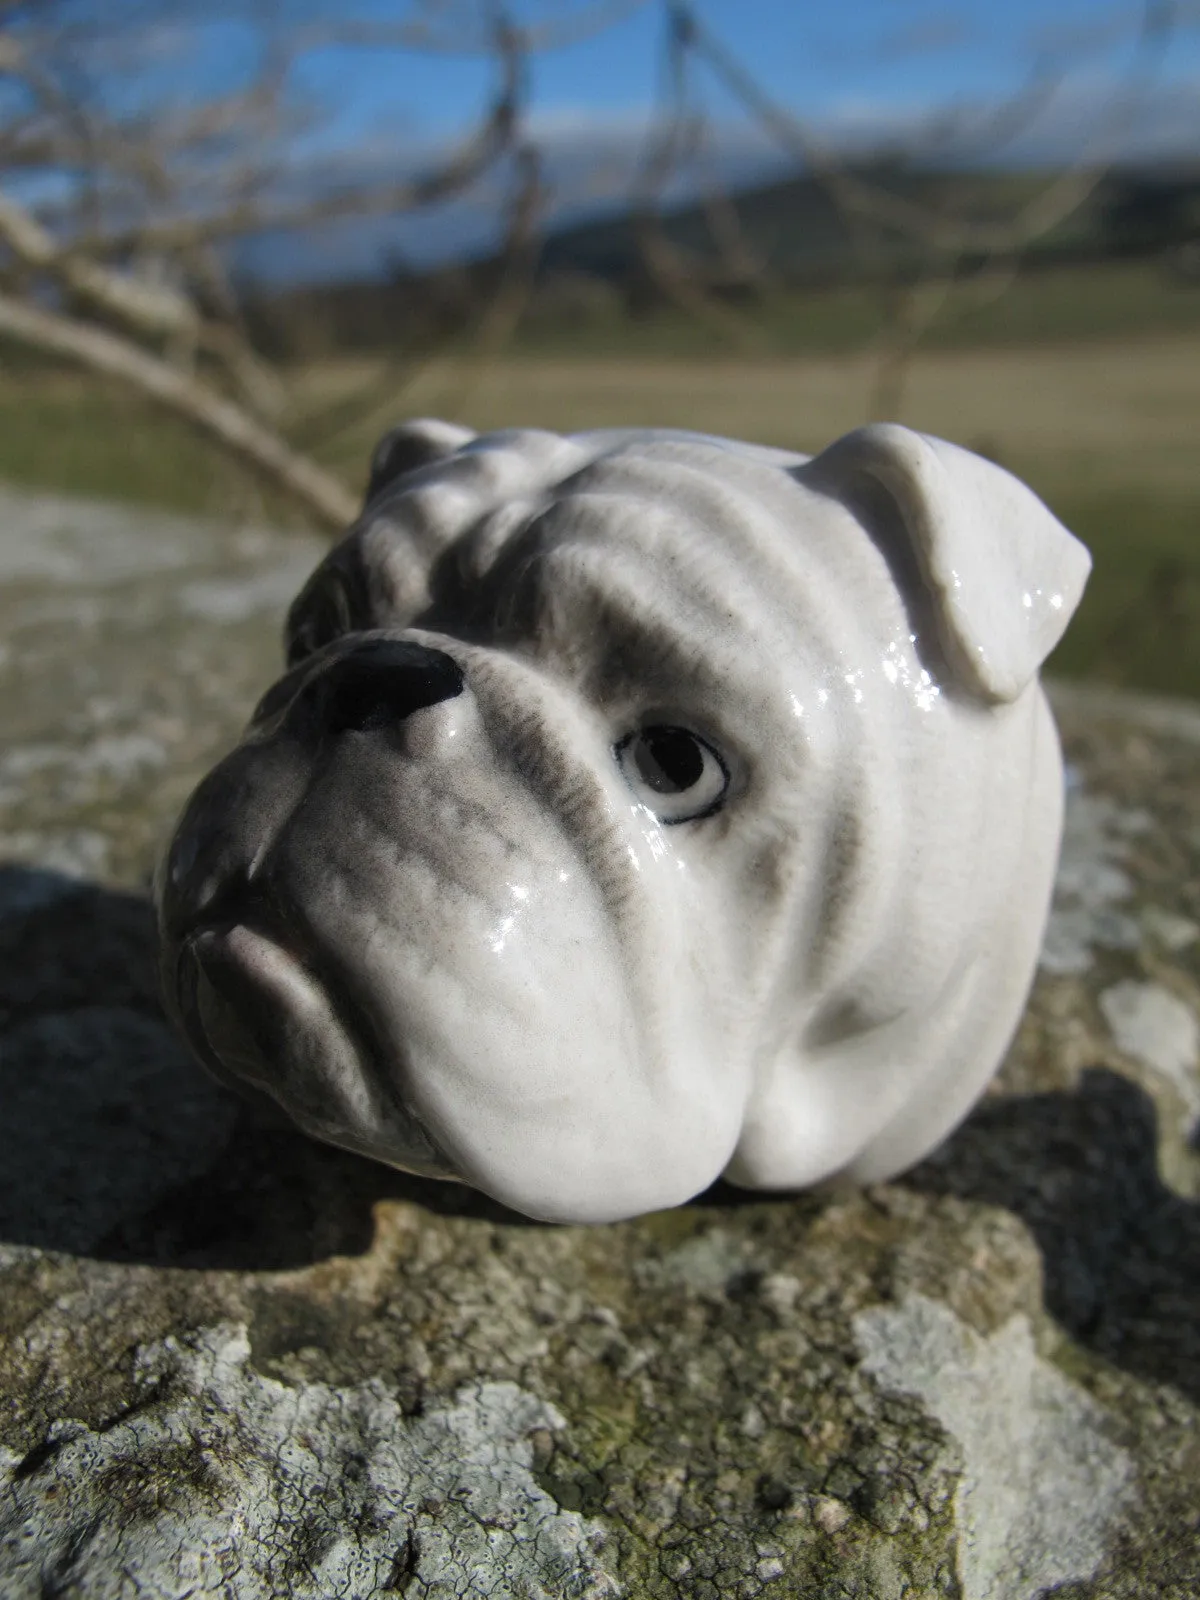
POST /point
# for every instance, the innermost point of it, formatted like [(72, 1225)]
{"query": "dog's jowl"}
[(638, 807)]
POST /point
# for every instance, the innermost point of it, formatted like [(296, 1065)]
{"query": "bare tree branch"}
[(676, 132), (323, 496), (127, 276), (938, 240), (148, 307), (951, 235), (468, 30), (263, 215)]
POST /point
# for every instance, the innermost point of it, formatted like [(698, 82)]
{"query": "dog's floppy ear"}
[(1003, 573), (411, 445)]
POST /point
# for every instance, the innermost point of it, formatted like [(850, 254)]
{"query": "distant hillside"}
[(788, 233), (794, 227)]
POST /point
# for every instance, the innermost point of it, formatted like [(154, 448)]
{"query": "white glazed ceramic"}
[(639, 807)]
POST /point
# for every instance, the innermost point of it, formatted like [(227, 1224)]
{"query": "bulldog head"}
[(638, 807)]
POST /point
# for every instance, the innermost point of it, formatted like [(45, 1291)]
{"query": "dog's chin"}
[(261, 1019)]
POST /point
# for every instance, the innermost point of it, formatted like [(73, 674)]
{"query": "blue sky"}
[(862, 72), (828, 59)]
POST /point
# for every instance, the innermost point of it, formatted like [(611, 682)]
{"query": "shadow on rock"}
[(1121, 1252), (114, 1144)]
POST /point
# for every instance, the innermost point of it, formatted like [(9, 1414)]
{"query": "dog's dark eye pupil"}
[(669, 760)]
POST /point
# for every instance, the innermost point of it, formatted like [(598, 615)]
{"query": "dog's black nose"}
[(379, 683)]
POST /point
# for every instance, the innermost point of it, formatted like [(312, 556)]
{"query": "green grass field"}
[(1057, 305), (1103, 419)]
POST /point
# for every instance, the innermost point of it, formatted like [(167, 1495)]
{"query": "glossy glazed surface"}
[(638, 807)]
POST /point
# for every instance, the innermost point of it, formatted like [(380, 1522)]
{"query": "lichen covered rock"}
[(236, 1363), (217, 1480)]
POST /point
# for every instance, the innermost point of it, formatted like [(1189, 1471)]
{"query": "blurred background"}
[(238, 240)]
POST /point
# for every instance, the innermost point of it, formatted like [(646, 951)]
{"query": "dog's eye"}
[(673, 772)]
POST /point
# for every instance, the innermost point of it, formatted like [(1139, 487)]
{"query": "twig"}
[(321, 494), (675, 131), (457, 172)]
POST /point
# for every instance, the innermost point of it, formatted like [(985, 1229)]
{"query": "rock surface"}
[(236, 1363)]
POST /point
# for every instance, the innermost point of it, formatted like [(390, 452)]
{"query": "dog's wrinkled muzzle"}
[(256, 1010), (258, 1017), (236, 970)]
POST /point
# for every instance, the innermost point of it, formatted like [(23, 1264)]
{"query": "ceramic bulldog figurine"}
[(638, 807)]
